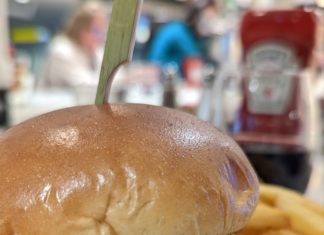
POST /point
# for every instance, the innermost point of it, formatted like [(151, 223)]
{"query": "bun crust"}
[(122, 170)]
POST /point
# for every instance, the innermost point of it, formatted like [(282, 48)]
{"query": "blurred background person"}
[(177, 40), (75, 55)]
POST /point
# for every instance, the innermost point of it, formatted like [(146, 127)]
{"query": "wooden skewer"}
[(119, 45)]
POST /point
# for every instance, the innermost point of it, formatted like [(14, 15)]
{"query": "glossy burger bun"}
[(122, 170)]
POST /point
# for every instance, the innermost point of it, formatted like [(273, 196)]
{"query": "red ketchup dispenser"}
[(277, 46)]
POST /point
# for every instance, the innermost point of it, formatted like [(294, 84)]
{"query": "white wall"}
[(6, 69)]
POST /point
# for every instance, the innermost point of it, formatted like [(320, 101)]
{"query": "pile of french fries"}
[(284, 212)]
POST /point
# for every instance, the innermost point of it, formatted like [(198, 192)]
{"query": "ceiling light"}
[(23, 1)]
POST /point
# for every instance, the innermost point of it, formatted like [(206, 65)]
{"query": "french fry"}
[(269, 194), (302, 219), (248, 232), (268, 232), (266, 217), (284, 212), (280, 232), (315, 207)]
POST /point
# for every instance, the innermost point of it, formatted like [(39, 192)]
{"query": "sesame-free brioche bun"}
[(122, 169)]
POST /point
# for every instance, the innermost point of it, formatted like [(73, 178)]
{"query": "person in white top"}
[(75, 55)]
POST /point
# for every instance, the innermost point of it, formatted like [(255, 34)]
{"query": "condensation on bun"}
[(122, 170)]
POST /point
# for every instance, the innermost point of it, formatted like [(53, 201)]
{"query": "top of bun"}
[(121, 170)]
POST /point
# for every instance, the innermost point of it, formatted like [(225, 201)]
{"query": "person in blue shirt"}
[(177, 40)]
